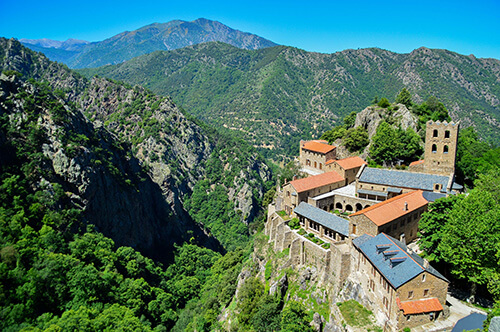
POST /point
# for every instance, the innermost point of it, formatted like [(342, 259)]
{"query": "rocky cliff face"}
[(370, 117), (163, 150), (98, 175)]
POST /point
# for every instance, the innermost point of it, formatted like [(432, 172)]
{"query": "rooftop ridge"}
[(390, 200)]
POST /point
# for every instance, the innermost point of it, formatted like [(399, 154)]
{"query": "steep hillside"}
[(176, 151), (150, 38), (275, 96)]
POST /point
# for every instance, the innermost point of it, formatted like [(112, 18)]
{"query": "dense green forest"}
[(58, 271), (276, 96)]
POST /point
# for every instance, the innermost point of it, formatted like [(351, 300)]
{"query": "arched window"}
[(447, 134), (435, 133), (320, 166), (359, 207), (348, 208), (338, 206), (445, 149), (308, 162), (434, 148), (315, 165)]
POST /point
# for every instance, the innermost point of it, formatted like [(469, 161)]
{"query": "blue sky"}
[(471, 27)]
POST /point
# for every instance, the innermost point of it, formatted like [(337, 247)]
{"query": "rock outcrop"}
[(153, 152)]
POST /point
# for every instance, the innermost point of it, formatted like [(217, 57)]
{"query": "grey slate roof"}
[(394, 190), (372, 192), (323, 218), (409, 266), (404, 179), (432, 196)]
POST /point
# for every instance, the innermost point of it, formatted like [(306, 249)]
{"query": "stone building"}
[(402, 289), (381, 184), (326, 226), (343, 199), (441, 140), (314, 156), (347, 167), (397, 217), (299, 190)]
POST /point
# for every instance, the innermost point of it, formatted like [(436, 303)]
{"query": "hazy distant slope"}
[(276, 96), (150, 38)]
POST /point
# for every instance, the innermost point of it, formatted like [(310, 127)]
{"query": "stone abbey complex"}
[(355, 224)]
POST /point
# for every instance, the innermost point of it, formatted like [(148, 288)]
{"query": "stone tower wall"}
[(440, 147)]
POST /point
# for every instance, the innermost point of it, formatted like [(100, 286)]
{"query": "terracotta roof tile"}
[(419, 306), (418, 162), (316, 181), (331, 161), (351, 162), (386, 211), (316, 146)]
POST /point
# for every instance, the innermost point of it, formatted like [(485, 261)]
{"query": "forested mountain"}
[(176, 153), (89, 169), (276, 96), (150, 38)]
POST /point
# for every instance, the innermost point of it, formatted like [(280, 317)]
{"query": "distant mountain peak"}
[(147, 39)]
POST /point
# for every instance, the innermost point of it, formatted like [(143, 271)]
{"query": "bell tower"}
[(441, 140)]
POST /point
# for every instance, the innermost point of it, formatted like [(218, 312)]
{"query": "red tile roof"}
[(418, 162), (351, 162), (386, 211), (419, 306), (317, 146), (316, 181)]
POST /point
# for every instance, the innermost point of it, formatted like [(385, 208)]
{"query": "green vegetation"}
[(390, 145), (355, 314), (473, 219), (404, 97), (294, 223), (276, 96), (356, 139)]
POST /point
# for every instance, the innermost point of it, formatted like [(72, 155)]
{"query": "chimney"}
[(426, 264), (294, 177), (406, 206)]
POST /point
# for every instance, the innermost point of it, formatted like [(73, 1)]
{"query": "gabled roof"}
[(351, 162), (417, 162), (393, 208), (404, 179), (323, 218), (316, 181), (419, 306), (399, 267), (317, 146)]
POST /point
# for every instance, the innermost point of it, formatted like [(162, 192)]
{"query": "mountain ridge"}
[(301, 94), (156, 36)]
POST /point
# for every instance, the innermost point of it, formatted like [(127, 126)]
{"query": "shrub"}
[(384, 103), (294, 223)]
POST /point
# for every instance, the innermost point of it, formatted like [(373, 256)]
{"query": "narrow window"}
[(423, 277), (426, 292), (410, 294), (447, 134), (315, 165), (435, 133), (434, 148), (445, 149), (320, 166)]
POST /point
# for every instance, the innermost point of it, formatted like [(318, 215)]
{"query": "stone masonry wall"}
[(333, 263)]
